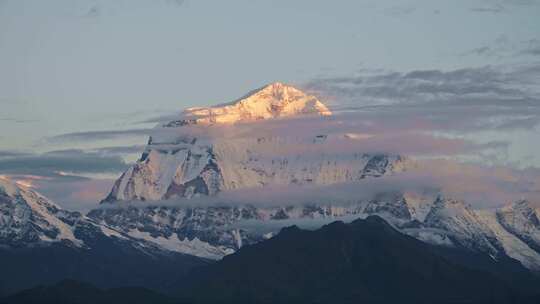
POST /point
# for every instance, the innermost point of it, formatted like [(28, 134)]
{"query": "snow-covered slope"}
[(216, 231), (26, 217), (211, 232), (41, 244), (511, 244), (461, 224), (276, 100), (522, 220), (178, 163)]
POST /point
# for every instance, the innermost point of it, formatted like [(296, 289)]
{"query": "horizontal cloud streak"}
[(484, 85), (97, 135), (49, 164), (480, 186)]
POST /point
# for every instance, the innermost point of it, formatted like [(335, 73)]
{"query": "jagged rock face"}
[(213, 232), (27, 217), (187, 169), (522, 220), (40, 243), (204, 232), (209, 232), (393, 205), (462, 225), (201, 169)]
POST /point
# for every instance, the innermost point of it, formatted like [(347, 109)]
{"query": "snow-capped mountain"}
[(185, 163), (179, 164), (522, 220), (41, 243), (454, 223), (28, 218), (276, 100), (213, 232)]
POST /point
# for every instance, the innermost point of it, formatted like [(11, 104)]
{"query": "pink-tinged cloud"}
[(75, 194), (479, 185)]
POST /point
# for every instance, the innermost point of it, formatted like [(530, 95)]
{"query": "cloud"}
[(4, 154), (93, 12), (98, 135), (480, 185), (119, 150), (499, 47), (468, 99), (75, 179), (502, 6), (399, 10), (532, 47), (51, 163), (477, 185), (74, 194), (468, 85), (100, 8), (521, 2), (504, 47), (160, 119), (177, 2), (15, 120), (495, 9)]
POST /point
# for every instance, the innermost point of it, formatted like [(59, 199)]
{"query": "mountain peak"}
[(278, 90), (521, 208), (275, 100)]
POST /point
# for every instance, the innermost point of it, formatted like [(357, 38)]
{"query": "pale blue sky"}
[(74, 65)]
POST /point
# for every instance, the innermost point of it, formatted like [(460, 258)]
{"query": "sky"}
[(83, 81)]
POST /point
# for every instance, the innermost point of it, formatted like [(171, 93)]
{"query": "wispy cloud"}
[(483, 85), (504, 47), (501, 6), (51, 163), (18, 120), (74, 194), (93, 12), (480, 186), (494, 9), (463, 103), (532, 47), (400, 10), (97, 135)]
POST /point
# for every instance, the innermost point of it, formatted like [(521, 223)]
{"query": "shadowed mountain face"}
[(366, 261), (74, 292), (107, 264), (41, 243)]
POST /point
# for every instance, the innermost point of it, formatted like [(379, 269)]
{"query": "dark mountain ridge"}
[(366, 261)]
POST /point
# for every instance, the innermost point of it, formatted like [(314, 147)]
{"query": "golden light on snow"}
[(25, 183), (358, 136), (276, 100)]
